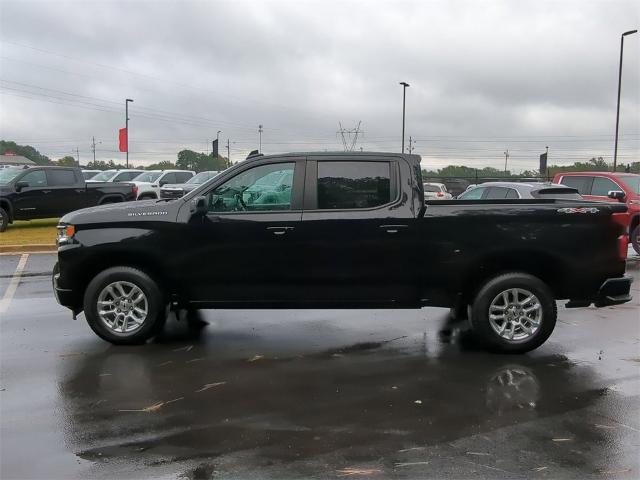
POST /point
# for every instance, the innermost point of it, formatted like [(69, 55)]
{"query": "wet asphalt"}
[(313, 394)]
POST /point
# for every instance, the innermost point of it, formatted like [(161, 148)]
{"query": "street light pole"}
[(260, 136), (126, 124), (404, 97), (615, 148)]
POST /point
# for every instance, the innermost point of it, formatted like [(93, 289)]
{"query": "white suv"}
[(149, 182)]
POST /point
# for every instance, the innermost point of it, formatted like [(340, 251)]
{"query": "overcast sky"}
[(485, 76)]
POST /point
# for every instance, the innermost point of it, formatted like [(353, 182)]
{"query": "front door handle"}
[(46, 191), (393, 228), (279, 230)]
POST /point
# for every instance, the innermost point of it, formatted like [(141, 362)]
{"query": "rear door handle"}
[(279, 230), (393, 228), (46, 191)]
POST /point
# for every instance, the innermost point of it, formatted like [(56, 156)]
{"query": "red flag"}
[(124, 140)]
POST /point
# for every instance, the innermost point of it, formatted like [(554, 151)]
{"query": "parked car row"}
[(177, 190), (43, 191)]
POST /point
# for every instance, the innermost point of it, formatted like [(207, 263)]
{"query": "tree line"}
[(186, 160), (596, 164), (199, 162)]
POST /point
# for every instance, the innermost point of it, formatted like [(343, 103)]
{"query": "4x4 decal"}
[(578, 210)]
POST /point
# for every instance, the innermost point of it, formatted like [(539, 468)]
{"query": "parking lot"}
[(320, 394)]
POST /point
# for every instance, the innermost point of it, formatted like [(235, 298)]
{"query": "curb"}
[(33, 248)]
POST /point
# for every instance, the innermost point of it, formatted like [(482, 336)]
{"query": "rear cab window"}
[(182, 177), (472, 194), (582, 183)]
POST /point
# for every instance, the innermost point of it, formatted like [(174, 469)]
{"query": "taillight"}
[(623, 246), (134, 189), (439, 194)]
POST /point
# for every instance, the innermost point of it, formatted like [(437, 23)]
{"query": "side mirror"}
[(21, 185), (199, 206), (616, 194)]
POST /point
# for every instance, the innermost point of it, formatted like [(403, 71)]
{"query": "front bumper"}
[(613, 291), (66, 297)]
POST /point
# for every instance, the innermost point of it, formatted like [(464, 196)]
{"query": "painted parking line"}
[(13, 285)]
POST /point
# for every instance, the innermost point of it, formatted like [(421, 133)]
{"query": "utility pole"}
[(615, 148), (228, 154), (506, 158), (93, 148), (126, 126), (404, 97), (78, 155), (260, 135)]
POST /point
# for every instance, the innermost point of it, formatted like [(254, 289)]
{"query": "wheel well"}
[(146, 263), (7, 208), (543, 266), (111, 199)]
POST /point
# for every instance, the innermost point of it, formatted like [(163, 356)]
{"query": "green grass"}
[(30, 232)]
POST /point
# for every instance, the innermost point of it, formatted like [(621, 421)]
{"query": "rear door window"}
[(349, 185), (602, 186), (582, 183), (61, 178)]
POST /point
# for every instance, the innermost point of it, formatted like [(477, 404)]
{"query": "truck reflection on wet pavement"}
[(290, 394)]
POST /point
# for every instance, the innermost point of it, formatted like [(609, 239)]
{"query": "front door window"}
[(262, 188)]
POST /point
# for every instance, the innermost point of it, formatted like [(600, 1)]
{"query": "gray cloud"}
[(484, 76)]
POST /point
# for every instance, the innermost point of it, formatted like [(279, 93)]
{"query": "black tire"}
[(490, 290), (4, 219), (635, 239), (156, 305)]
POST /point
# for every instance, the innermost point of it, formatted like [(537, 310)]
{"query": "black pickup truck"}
[(324, 230), (44, 192)]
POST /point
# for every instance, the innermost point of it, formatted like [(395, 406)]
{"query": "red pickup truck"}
[(610, 187)]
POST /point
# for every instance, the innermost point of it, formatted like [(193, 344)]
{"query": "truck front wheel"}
[(4, 219), (124, 306), (635, 239), (514, 313)]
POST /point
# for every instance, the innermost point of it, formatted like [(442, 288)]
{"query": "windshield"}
[(431, 188), (105, 176), (8, 174), (148, 177), (202, 177), (632, 182)]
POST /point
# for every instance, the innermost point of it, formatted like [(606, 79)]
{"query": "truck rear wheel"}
[(124, 306), (514, 313)]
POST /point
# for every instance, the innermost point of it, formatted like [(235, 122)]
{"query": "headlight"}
[(65, 234)]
